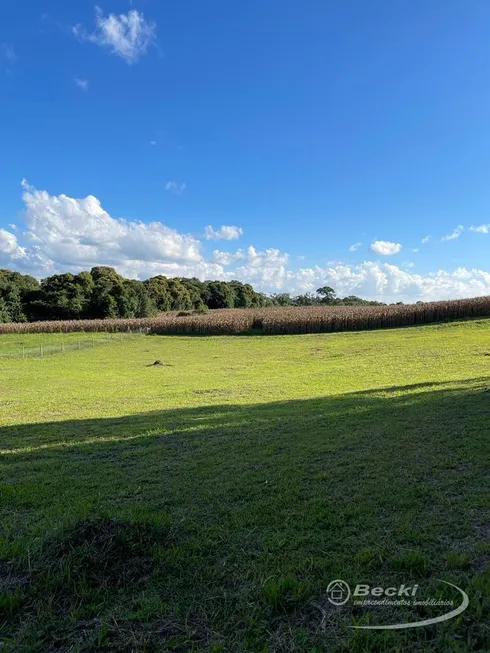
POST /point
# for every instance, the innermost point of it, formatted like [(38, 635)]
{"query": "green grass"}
[(206, 504), (16, 345)]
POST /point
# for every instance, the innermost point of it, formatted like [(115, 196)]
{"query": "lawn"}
[(206, 504)]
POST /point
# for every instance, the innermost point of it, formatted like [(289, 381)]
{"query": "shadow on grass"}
[(272, 501), (24, 438)]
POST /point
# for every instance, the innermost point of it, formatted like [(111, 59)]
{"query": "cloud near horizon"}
[(63, 234)]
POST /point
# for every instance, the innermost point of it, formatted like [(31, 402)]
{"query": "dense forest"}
[(103, 293)]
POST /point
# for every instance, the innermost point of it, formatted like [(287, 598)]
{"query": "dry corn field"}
[(275, 320)]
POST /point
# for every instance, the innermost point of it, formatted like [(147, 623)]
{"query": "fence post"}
[(41, 350)]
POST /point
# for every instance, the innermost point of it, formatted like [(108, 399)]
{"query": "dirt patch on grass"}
[(103, 552)]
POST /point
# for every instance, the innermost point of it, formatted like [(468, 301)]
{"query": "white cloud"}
[(354, 247), (482, 229), (9, 245), (267, 268), (78, 233), (227, 258), (202, 269), (223, 258), (425, 240), (455, 234), (385, 247), (127, 35), (176, 187), (415, 250), (81, 83), (62, 233), (9, 53), (389, 283), (225, 232)]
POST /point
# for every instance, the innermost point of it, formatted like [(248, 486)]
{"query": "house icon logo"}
[(338, 592)]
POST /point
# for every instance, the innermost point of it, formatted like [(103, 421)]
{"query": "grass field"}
[(206, 504), (37, 344)]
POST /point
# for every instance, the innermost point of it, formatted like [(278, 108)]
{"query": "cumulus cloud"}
[(202, 269), (128, 35), (482, 229), (176, 187), (354, 247), (81, 83), (223, 258), (389, 283), (267, 268), (227, 258), (385, 247), (79, 233), (455, 234), (9, 244), (225, 232), (268, 271), (425, 240), (62, 234)]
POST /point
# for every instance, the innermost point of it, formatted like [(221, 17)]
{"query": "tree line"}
[(324, 295), (103, 293)]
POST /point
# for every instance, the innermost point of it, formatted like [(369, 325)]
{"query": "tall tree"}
[(221, 295), (327, 294)]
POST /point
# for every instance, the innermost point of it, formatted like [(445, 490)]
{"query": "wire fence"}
[(64, 343)]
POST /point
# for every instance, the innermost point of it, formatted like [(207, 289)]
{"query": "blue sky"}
[(303, 128)]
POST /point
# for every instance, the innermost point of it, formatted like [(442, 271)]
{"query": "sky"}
[(287, 144)]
